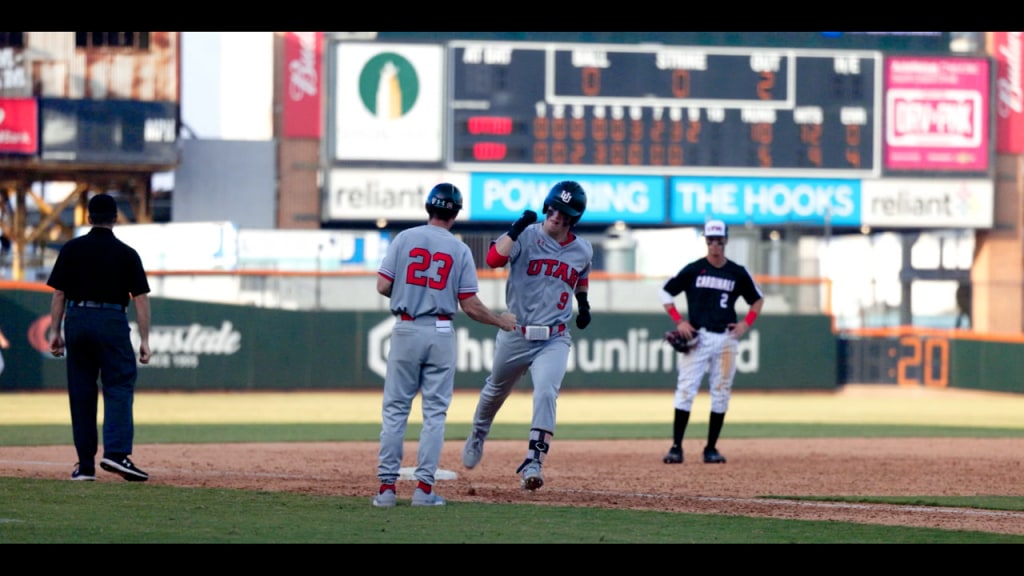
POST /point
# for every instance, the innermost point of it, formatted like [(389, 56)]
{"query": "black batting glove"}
[(528, 217), (583, 317)]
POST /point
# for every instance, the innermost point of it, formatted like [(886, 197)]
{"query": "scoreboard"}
[(653, 108)]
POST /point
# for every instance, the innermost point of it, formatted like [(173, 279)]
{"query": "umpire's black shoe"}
[(81, 474), (125, 467), (674, 456), (711, 456)]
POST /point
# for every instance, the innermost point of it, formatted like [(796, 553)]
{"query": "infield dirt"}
[(620, 474), (604, 473)]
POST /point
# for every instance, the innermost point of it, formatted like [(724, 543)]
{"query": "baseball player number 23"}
[(416, 273)]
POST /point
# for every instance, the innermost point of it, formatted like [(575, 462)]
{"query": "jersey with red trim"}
[(711, 292), (543, 276), (430, 269)]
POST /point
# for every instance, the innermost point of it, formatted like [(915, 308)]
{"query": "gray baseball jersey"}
[(430, 268), (542, 280), (543, 275)]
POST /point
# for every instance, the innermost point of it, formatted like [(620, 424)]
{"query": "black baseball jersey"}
[(711, 293), (98, 267)]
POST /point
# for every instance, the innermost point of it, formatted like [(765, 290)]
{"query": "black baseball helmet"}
[(444, 196), (569, 198)]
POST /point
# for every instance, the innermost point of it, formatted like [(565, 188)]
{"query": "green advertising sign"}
[(204, 346)]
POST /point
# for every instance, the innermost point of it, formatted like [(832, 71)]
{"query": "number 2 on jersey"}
[(418, 272)]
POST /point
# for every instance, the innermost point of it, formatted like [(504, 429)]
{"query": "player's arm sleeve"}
[(384, 283), (666, 298), (752, 292), (757, 305), (388, 266), (673, 287), (495, 257)]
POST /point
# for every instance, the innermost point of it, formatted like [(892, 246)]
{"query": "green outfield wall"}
[(204, 346), (208, 346), (995, 366)]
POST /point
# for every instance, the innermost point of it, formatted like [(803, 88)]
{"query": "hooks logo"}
[(388, 86)]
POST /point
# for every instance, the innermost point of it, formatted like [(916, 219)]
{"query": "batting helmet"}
[(569, 198), (444, 196)]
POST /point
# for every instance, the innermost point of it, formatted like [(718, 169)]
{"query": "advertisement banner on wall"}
[(936, 114), (109, 131), (206, 346), (314, 250), (180, 245), (1009, 54), (388, 102), (19, 126), (610, 198), (303, 65), (370, 195), (765, 201), (928, 203)]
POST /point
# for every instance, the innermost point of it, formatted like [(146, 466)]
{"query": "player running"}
[(548, 264), (712, 285), (427, 273)]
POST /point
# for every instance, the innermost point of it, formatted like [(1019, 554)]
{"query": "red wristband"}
[(674, 314), (751, 316)]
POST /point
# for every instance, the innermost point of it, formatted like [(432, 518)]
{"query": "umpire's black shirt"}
[(98, 267)]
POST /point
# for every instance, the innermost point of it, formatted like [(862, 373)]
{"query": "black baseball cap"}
[(102, 205)]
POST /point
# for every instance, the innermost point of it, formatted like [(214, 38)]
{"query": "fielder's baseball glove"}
[(680, 342)]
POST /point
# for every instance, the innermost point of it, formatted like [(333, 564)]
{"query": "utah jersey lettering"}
[(554, 268), (529, 292)]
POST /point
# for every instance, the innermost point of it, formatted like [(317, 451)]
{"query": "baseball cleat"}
[(674, 456), (421, 498), (532, 476), (711, 456), (474, 449), (385, 499)]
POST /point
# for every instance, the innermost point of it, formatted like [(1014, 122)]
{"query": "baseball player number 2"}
[(417, 274)]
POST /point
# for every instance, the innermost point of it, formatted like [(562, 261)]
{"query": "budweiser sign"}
[(1009, 93), (302, 99)]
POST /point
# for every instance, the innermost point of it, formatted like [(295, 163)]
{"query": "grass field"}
[(53, 511), (853, 405)]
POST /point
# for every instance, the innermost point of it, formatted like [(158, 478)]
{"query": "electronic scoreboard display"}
[(525, 106)]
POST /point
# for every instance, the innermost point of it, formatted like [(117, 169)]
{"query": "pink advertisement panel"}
[(1009, 54), (937, 114), (19, 126), (303, 68)]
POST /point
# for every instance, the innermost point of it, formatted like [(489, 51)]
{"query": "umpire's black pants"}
[(98, 345)]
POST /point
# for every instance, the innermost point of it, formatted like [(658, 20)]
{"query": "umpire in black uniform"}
[(94, 279)]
